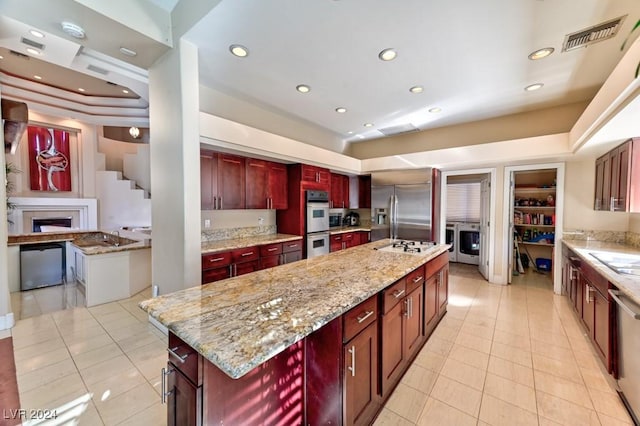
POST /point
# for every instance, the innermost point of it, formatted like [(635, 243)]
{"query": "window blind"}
[(463, 202)]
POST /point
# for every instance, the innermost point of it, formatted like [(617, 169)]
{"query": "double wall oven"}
[(317, 223)]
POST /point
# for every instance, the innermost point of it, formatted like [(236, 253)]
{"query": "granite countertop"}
[(241, 322), (45, 237), (628, 284), (344, 229), (236, 243), (86, 240)]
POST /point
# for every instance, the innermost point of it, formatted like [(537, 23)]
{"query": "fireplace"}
[(82, 212), (60, 222)]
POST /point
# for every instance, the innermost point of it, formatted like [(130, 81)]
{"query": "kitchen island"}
[(281, 345)]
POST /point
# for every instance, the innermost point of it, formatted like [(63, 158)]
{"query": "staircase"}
[(120, 203)]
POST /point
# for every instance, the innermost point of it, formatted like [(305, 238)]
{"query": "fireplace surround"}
[(83, 212)]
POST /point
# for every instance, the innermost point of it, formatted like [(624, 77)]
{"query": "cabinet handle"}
[(249, 253), (352, 351), (230, 270), (163, 392), (411, 307), (293, 245), (397, 294), (178, 358), (587, 293), (219, 203), (217, 259), (235, 269), (418, 279), (271, 249), (406, 308), (364, 317)]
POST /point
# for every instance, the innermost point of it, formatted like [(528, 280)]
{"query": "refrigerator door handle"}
[(394, 217)]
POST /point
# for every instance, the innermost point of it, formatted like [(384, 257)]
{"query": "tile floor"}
[(501, 356)]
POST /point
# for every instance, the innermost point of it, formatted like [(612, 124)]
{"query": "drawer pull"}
[(271, 249), (249, 253), (418, 279), (165, 393), (364, 317), (293, 245), (397, 294), (352, 368), (179, 358), (217, 259)]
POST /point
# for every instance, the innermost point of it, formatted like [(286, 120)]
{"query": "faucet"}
[(117, 234)]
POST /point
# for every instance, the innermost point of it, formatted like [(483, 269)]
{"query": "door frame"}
[(491, 234), (507, 222)]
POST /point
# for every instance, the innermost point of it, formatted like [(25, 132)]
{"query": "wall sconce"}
[(134, 132)]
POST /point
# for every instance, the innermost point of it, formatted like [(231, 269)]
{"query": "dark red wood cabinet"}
[(339, 194), (208, 180), (393, 335), (183, 389), (266, 185), (316, 174), (360, 356), (344, 240), (617, 177), (364, 192)]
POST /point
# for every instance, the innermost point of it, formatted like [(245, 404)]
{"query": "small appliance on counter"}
[(352, 219)]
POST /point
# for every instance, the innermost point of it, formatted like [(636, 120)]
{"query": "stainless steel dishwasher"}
[(628, 319), (41, 265)]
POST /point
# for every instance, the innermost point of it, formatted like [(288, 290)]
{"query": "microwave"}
[(335, 219)]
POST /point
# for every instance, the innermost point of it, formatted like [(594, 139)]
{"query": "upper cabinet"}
[(231, 182), (315, 174), (617, 173), (339, 191), (364, 192)]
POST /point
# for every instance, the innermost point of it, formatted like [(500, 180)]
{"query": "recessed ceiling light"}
[(37, 77), (416, 89), (532, 87), (80, 89), (1, 57), (33, 51), (125, 91), (435, 110), (341, 110), (134, 132), (387, 54), (128, 52), (368, 124), (541, 53), (75, 31), (36, 33), (303, 88), (239, 50), (349, 132)]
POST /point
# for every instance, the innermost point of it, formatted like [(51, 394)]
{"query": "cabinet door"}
[(443, 289), (257, 180), (231, 182), (601, 327), (588, 306), (620, 182), (606, 182), (336, 197), (293, 256), (413, 317), (393, 353), (361, 377), (364, 192), (364, 237), (270, 261), (245, 267), (183, 407), (335, 243), (278, 191), (349, 240), (208, 179), (430, 303), (309, 173), (324, 176), (215, 274)]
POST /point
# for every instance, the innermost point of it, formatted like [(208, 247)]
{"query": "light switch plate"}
[(207, 223)]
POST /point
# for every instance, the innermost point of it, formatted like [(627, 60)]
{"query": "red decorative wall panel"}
[(49, 159)]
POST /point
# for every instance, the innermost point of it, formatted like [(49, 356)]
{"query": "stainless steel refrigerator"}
[(401, 205)]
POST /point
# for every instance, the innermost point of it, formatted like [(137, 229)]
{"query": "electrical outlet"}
[(261, 221), (207, 223)]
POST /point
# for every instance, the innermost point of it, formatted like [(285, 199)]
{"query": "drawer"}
[(290, 246), (215, 274), (245, 254), (336, 238), (184, 358), (393, 294), (270, 249), (216, 260), (598, 281), (415, 279), (347, 236), (434, 265), (358, 318)]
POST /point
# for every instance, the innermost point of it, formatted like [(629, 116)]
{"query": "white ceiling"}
[(470, 56)]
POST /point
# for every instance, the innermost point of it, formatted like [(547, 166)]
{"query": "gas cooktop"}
[(408, 247)]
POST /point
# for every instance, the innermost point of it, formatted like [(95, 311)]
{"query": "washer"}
[(468, 247), (451, 236)]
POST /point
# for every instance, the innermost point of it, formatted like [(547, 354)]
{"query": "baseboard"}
[(7, 321), (159, 326)]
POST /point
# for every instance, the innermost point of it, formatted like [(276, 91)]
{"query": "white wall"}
[(114, 152), (6, 318)]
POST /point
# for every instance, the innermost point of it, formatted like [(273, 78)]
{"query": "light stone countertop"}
[(345, 229), (129, 240), (628, 284), (241, 322), (236, 243)]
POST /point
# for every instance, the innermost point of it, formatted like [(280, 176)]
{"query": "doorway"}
[(467, 213)]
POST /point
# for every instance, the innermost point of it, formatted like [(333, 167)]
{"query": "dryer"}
[(468, 247), (451, 237)]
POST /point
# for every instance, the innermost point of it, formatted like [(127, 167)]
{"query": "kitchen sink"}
[(102, 239), (620, 263)]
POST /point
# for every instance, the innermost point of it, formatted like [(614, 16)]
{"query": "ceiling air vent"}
[(396, 130), (32, 43), (97, 69), (591, 35), (19, 55)]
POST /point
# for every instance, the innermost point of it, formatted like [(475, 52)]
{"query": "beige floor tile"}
[(117, 383), (389, 418), (464, 373), (96, 356), (510, 370), (105, 309), (117, 409), (474, 342), (514, 393), (53, 393), (407, 402), (588, 360), (457, 395), (564, 412), (21, 340), (105, 369), (122, 323), (89, 344), (445, 333), (483, 331), (568, 370), (439, 346), (609, 404), (611, 421), (519, 327), (150, 368), (138, 340), (420, 378), (40, 377), (146, 352), (497, 412), (83, 334), (469, 356), (91, 417), (510, 353), (39, 348), (511, 339), (30, 364), (430, 360), (156, 383), (563, 388), (451, 322), (152, 416), (552, 338), (131, 331), (543, 421), (436, 413), (551, 351), (598, 380)]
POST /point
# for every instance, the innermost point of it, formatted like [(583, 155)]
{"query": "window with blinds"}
[(463, 202)]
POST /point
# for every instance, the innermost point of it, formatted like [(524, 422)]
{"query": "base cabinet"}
[(360, 357), (183, 399)]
